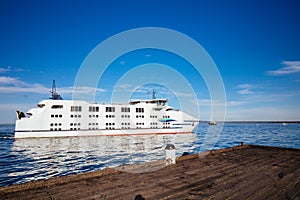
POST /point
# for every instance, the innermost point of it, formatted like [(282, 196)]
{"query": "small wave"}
[(32, 159)]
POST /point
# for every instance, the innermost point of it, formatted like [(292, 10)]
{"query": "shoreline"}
[(206, 121), (245, 171)]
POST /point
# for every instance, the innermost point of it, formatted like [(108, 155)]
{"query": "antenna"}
[(153, 94), (54, 96), (53, 88)]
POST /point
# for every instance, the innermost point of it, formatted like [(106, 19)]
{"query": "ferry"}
[(56, 117)]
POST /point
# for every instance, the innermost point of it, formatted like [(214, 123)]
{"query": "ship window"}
[(75, 108), (94, 109), (125, 109), (57, 106), (140, 110), (110, 109), (161, 103), (41, 105)]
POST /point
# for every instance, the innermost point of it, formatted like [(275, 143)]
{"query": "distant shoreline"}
[(256, 122), (204, 121)]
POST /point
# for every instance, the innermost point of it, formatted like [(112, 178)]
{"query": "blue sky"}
[(255, 45)]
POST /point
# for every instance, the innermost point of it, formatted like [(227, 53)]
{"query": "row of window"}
[(139, 110), (93, 116), (110, 128), (55, 129), (125, 109), (56, 116), (57, 106), (75, 116), (55, 124), (166, 124), (94, 109), (110, 109), (75, 124), (107, 116), (125, 127), (166, 116), (93, 124), (76, 108)]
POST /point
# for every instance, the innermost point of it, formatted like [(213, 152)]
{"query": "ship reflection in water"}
[(46, 157)]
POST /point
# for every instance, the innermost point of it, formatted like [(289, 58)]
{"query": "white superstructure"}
[(62, 118)]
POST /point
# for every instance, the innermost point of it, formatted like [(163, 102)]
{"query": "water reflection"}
[(39, 158)]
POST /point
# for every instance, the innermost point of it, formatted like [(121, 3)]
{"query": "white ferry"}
[(66, 118)]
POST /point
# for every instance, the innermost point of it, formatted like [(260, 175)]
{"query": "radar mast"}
[(153, 94), (54, 94)]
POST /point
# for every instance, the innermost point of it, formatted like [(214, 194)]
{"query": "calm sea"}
[(23, 160)]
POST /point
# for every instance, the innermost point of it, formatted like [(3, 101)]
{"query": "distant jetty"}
[(241, 172)]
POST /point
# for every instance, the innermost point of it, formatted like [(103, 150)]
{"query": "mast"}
[(53, 88), (54, 95), (153, 94)]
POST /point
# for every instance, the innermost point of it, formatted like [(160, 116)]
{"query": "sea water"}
[(23, 160)]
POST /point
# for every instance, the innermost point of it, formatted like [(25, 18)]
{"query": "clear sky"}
[(255, 45)]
